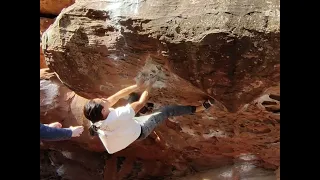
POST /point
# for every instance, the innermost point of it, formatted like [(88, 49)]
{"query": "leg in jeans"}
[(149, 122)]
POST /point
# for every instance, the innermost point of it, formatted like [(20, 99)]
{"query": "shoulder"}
[(119, 114), (123, 110)]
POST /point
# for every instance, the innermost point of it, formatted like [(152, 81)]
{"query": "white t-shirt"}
[(119, 130)]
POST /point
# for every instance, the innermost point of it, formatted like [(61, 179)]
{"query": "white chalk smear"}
[(153, 72), (50, 91)]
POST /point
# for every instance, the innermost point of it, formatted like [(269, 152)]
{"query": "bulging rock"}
[(228, 50)]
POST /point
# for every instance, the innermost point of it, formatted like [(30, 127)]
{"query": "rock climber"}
[(55, 132), (118, 128)]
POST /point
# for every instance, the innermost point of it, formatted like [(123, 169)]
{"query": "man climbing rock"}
[(55, 132), (118, 128)]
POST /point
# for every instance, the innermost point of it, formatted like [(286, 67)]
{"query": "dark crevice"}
[(275, 97), (273, 109), (269, 103), (50, 16), (276, 111), (120, 161), (276, 141), (231, 13), (136, 169), (252, 12), (266, 21)]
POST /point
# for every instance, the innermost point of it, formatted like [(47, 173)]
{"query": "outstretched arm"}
[(120, 94), (54, 134)]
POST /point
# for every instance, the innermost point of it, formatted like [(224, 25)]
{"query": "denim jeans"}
[(150, 122)]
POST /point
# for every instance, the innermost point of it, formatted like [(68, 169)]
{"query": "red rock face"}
[(178, 147), (278, 173), (45, 23), (54, 7), (193, 50), (58, 103), (42, 61)]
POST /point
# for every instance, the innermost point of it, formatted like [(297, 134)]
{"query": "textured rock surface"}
[(278, 173), (228, 50), (183, 147), (42, 60), (240, 170), (44, 24), (54, 7), (70, 163), (58, 103)]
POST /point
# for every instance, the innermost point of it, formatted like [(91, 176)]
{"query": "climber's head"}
[(94, 110)]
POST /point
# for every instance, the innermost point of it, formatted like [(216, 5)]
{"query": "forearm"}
[(126, 91), (121, 94), (136, 106), (144, 97), (49, 133)]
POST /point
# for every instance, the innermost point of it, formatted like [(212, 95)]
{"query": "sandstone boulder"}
[(228, 50)]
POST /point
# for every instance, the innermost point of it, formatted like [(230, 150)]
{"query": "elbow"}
[(139, 107)]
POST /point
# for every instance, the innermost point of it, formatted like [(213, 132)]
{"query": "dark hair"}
[(92, 111), (93, 130)]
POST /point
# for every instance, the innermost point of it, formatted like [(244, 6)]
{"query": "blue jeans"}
[(150, 122)]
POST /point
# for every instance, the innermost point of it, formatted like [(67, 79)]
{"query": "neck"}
[(106, 115)]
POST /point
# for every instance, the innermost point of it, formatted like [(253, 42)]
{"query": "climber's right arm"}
[(120, 94)]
